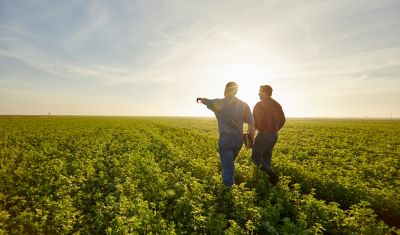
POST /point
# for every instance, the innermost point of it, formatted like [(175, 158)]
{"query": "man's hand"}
[(248, 141), (201, 100)]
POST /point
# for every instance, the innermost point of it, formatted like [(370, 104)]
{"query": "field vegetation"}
[(119, 175)]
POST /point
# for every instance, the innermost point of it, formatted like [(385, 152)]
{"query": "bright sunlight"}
[(249, 76)]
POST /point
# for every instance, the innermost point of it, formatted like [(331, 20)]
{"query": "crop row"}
[(130, 175), (345, 162)]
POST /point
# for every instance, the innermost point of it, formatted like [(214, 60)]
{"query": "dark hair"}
[(266, 89)]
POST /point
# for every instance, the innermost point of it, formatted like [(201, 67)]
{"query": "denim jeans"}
[(229, 147), (262, 150)]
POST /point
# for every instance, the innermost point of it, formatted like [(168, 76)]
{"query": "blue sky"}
[(322, 58)]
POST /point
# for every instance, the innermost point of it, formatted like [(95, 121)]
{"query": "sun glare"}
[(247, 64), (249, 77)]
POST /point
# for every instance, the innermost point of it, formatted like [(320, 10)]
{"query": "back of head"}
[(231, 89), (266, 89)]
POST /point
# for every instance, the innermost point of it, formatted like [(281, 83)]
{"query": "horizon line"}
[(186, 116)]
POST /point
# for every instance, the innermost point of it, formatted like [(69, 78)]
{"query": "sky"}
[(331, 58)]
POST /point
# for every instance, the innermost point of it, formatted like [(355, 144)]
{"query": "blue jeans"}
[(228, 148), (262, 150)]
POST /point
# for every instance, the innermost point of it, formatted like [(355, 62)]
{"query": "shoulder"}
[(276, 105), (276, 102), (239, 101), (244, 104), (258, 105)]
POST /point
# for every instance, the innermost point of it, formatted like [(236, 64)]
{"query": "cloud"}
[(101, 74), (184, 45), (351, 64), (96, 17)]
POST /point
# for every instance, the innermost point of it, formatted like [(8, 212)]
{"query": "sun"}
[(249, 76)]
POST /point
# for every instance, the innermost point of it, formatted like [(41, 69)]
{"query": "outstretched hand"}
[(200, 100)]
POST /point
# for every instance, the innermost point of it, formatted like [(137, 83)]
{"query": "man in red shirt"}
[(269, 119)]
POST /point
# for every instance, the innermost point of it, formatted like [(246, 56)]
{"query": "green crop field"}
[(119, 175)]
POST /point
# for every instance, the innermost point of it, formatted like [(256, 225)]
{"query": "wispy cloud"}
[(101, 74), (352, 46), (95, 18), (352, 64)]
